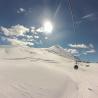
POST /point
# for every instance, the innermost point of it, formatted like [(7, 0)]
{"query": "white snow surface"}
[(37, 73)]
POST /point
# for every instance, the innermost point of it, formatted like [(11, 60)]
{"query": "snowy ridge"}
[(24, 51), (60, 51)]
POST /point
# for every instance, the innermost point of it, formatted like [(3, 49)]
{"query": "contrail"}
[(70, 10), (72, 16), (58, 8)]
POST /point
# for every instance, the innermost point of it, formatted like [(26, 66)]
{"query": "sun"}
[(48, 27)]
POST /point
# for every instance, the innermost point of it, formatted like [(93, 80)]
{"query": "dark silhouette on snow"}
[(76, 65)]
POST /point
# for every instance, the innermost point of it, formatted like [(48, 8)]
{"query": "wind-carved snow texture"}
[(45, 73)]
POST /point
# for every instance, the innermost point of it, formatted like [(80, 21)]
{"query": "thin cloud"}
[(37, 37), (91, 45), (46, 38), (18, 35), (33, 30), (40, 30), (91, 51), (72, 51), (78, 46), (4, 30), (82, 49), (90, 16), (14, 30), (17, 42), (21, 35), (21, 10)]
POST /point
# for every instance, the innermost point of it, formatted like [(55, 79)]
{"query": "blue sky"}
[(21, 22)]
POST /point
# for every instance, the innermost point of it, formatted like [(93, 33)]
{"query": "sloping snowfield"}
[(43, 73)]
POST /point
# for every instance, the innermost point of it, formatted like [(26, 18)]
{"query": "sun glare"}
[(48, 27)]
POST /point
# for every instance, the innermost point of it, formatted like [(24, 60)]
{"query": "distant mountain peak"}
[(57, 49), (57, 46)]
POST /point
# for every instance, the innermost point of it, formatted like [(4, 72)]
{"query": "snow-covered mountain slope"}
[(37, 73), (60, 51)]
